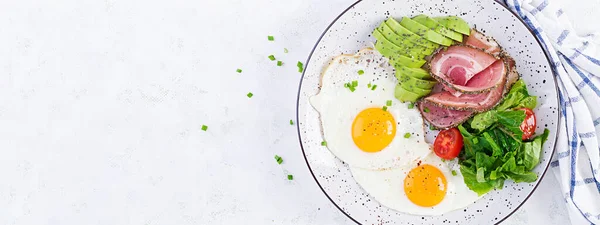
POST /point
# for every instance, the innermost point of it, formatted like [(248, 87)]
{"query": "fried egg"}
[(363, 123), (429, 187)]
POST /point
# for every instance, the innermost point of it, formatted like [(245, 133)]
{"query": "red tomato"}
[(448, 143), (528, 125)]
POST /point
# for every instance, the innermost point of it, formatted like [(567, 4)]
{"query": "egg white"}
[(387, 187), (338, 107)]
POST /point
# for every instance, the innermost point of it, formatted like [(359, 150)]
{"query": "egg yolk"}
[(425, 185), (373, 129)]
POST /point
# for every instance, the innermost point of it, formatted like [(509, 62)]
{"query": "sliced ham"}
[(484, 81), (452, 91), (442, 118), (471, 102), (513, 75), (458, 64), (480, 41)]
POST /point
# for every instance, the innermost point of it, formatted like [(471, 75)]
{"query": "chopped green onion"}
[(250, 95), (369, 85), (290, 177), (443, 160), (279, 63), (407, 135), (323, 143), (454, 173), (361, 72), (431, 127), (388, 103), (384, 108), (347, 85), (271, 38), (278, 159), (291, 122), (354, 83), (285, 50), (272, 57), (300, 67), (426, 109), (352, 89), (374, 87), (238, 70), (204, 127), (411, 105)]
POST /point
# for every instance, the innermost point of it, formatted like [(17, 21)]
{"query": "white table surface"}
[(102, 101)]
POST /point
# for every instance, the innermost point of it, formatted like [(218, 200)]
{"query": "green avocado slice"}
[(437, 27), (409, 35), (405, 96), (396, 59), (413, 72), (413, 49), (424, 31), (414, 89), (402, 50), (454, 23), (420, 83)]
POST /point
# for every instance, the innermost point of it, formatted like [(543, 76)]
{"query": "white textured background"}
[(101, 104)]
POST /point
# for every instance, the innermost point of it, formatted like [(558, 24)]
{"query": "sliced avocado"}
[(396, 59), (454, 23), (424, 31), (415, 89), (402, 50), (408, 62), (414, 49), (413, 72), (410, 36), (437, 27), (404, 95), (420, 83)]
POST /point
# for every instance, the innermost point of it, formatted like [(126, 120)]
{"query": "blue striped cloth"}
[(576, 60)]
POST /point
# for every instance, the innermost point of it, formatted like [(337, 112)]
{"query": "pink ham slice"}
[(472, 102), (484, 81), (458, 64), (480, 41), (452, 91), (513, 75), (442, 118)]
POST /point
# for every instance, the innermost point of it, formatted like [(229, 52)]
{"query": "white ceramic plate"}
[(350, 32)]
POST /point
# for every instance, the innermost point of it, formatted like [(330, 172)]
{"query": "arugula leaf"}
[(511, 100), (533, 150), (480, 175), (484, 120), (528, 177), (511, 120), (517, 97), (529, 102), (496, 150), (482, 160), (468, 144), (519, 87), (470, 178)]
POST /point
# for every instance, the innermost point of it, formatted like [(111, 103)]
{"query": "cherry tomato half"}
[(529, 124), (448, 143)]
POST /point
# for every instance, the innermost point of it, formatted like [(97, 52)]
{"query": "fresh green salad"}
[(493, 148)]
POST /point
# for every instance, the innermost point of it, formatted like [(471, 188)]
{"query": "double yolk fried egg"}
[(382, 139)]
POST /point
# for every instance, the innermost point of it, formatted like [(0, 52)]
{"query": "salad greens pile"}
[(493, 148)]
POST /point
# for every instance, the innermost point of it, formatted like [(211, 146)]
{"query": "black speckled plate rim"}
[(298, 114)]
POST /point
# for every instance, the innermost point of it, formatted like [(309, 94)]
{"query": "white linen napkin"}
[(575, 57)]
